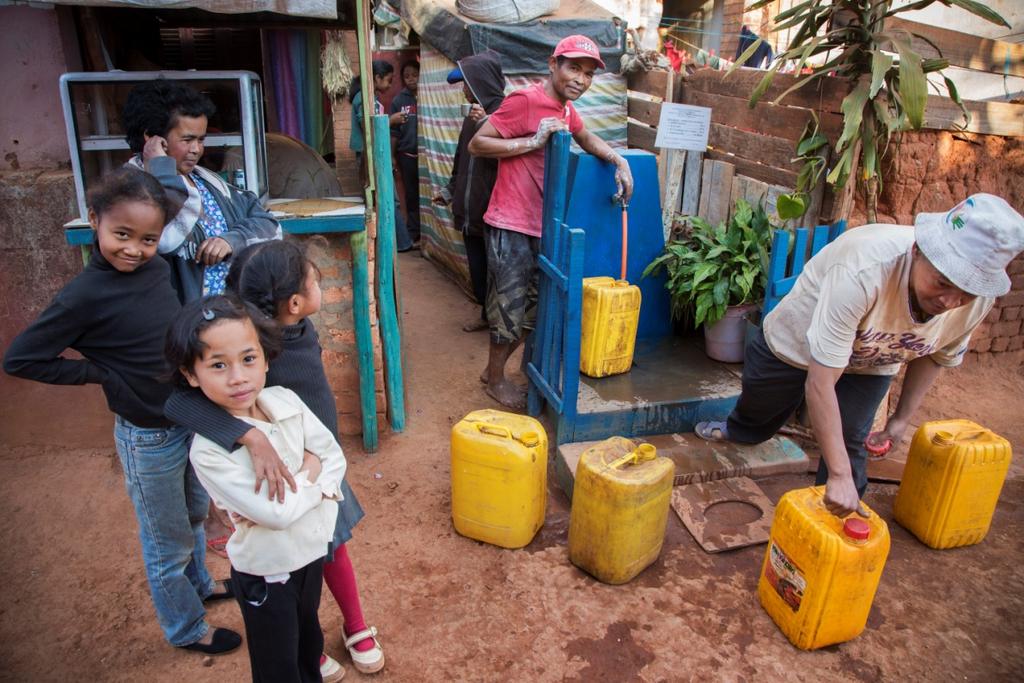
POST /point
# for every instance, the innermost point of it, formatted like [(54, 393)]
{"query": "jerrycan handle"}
[(641, 453), (493, 430), (947, 438)]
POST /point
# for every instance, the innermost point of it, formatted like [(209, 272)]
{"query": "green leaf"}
[(955, 96), (930, 65), (790, 206), (880, 64), (720, 294), (811, 144), (913, 88), (743, 212), (980, 10), (853, 113), (704, 271), (782, 16), (765, 83), (747, 54)]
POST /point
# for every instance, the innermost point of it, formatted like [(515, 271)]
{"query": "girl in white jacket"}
[(222, 346)]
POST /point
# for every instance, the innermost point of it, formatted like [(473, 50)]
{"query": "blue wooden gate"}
[(555, 345)]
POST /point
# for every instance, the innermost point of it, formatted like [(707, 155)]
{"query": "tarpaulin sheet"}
[(320, 9), (602, 108), (525, 47)]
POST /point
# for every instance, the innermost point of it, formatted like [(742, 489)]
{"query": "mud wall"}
[(933, 171)]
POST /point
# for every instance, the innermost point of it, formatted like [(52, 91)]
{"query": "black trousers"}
[(476, 255), (773, 390), (410, 170), (282, 629)]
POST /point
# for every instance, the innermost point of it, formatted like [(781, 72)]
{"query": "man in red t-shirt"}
[(515, 134)]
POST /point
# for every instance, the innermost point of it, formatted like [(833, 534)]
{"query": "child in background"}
[(405, 146), (116, 314), (283, 283), (222, 346)]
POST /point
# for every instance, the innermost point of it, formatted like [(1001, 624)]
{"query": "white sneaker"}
[(372, 660), (330, 670)]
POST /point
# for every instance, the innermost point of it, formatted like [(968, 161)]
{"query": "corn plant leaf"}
[(782, 16), (979, 9), (853, 113), (931, 65), (747, 54), (765, 83), (811, 144), (880, 65), (913, 86), (954, 95)]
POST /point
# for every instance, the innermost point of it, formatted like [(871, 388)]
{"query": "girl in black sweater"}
[(283, 283), (116, 313)]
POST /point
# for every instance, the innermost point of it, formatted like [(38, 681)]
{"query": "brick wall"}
[(1002, 332), (732, 22), (334, 324), (344, 158)]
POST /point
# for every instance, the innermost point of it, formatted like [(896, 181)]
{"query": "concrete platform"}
[(672, 386), (698, 460)]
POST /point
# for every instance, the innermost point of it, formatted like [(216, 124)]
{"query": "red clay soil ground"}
[(75, 603)]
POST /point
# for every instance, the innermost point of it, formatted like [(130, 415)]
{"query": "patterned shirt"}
[(213, 225)]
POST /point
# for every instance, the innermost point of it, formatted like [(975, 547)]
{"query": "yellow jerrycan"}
[(499, 477), (620, 504), (955, 471), (820, 572), (611, 311)]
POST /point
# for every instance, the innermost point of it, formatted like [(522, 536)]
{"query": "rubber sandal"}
[(372, 660), (224, 640), (712, 430), (330, 670), (223, 594), (218, 546), (877, 452)]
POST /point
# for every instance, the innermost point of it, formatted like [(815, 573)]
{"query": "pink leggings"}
[(340, 578)]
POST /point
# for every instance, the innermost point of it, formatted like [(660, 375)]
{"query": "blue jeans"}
[(170, 505)]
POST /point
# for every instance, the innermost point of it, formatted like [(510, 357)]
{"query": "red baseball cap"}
[(577, 47)]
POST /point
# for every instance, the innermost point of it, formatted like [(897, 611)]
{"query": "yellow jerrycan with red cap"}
[(620, 504), (951, 483), (499, 477), (820, 572)]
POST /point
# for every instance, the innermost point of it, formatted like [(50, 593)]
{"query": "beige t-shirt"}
[(850, 308)]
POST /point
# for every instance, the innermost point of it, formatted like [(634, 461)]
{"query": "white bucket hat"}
[(972, 243)]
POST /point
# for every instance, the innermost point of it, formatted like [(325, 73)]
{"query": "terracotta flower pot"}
[(724, 340)]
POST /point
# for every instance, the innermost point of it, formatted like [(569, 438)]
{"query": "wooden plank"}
[(964, 49), (671, 186), (750, 189), (716, 190), (654, 82), (692, 173), (641, 136), (716, 527), (767, 119), (768, 174), (644, 110), (764, 149), (989, 118), (826, 95)]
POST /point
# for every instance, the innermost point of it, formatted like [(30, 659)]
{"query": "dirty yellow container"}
[(820, 572), (611, 310), (499, 477), (954, 473), (620, 503)]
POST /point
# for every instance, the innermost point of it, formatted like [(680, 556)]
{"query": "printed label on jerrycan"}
[(785, 577)]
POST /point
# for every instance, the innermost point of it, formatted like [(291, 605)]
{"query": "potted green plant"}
[(717, 274)]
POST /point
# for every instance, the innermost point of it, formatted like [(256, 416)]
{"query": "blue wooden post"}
[(391, 337), (364, 339)]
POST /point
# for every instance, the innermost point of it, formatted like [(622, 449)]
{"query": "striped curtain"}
[(294, 57)]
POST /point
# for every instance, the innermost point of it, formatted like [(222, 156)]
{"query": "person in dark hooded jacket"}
[(469, 190)]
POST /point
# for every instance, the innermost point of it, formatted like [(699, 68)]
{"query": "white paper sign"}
[(683, 126)]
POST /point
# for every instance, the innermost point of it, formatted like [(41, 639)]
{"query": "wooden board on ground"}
[(725, 514), (888, 470), (692, 173), (716, 191), (673, 161), (697, 460)]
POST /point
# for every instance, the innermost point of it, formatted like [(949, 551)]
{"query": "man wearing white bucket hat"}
[(875, 298)]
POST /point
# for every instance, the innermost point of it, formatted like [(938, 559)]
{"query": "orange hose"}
[(625, 240)]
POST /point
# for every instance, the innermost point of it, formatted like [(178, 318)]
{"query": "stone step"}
[(698, 460)]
